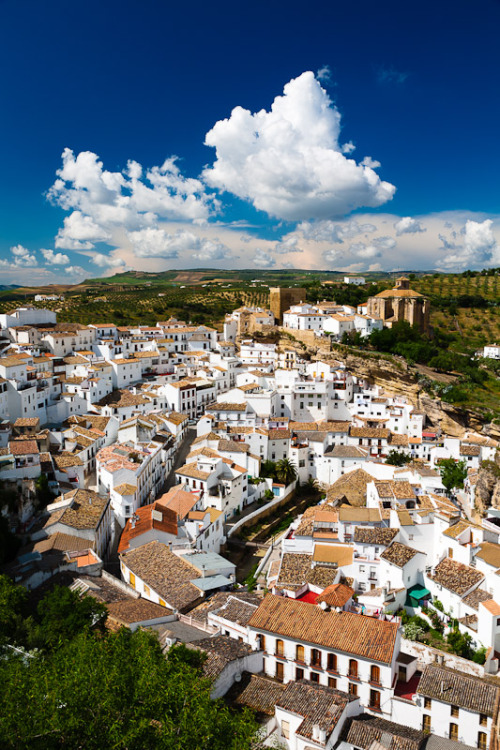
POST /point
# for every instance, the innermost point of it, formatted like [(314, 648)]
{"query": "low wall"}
[(427, 655), (266, 510)]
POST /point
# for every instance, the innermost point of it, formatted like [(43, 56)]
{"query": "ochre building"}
[(280, 299), (400, 303)]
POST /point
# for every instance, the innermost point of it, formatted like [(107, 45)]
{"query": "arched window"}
[(299, 653), (280, 648), (353, 668), (332, 662), (375, 674), (315, 657)]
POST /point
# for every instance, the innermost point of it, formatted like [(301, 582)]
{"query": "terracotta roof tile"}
[(340, 631), (399, 554), (458, 689), (23, 447), (165, 573), (363, 731), (456, 576), (317, 704)]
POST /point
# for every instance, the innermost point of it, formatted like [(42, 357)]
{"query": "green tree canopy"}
[(453, 473), (397, 458), (63, 614), (286, 471), (12, 606), (115, 691)]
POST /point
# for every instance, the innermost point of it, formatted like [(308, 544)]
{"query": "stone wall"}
[(427, 655)]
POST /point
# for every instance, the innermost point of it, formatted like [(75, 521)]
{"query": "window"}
[(426, 723), (314, 677), (132, 580), (375, 700), (353, 668), (280, 648), (299, 674), (482, 741), (353, 689), (332, 682), (483, 720), (427, 703), (279, 671), (454, 711), (332, 662), (262, 641), (454, 732), (316, 657), (147, 590), (375, 674), (285, 729)]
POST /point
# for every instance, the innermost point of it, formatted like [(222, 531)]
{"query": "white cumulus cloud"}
[(101, 201), (106, 261), (477, 248), (263, 259), (288, 162), (76, 272), (159, 243), (288, 245), (80, 232), (55, 259), (22, 257), (408, 225), (329, 231)]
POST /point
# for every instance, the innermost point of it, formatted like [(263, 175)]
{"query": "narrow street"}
[(180, 458)]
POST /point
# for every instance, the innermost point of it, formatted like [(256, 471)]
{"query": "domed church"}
[(400, 303)]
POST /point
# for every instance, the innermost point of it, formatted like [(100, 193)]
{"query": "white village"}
[(315, 534)]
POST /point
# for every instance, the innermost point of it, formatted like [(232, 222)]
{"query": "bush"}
[(479, 656), (414, 632)]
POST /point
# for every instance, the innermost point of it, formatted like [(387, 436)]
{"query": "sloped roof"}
[(342, 631)]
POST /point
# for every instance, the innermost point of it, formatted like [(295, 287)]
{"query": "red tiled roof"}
[(146, 519), (340, 631)]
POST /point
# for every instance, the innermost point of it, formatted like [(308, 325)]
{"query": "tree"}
[(63, 614), (397, 458), (43, 494), (286, 471), (268, 470), (453, 473), (461, 643), (9, 543), (12, 605), (115, 691)]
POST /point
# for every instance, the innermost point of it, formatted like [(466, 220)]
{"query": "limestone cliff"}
[(393, 374), (488, 486)]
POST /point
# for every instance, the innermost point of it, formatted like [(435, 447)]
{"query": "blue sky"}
[(113, 85)]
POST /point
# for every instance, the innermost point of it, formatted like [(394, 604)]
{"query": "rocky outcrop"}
[(393, 374), (488, 486)]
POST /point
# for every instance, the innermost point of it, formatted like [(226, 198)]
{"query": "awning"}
[(416, 594)]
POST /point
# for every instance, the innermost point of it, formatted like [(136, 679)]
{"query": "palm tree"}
[(286, 471)]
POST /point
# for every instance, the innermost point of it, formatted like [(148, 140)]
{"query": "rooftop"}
[(317, 704), (399, 554), (342, 631), (459, 689), (456, 576), (167, 574)]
